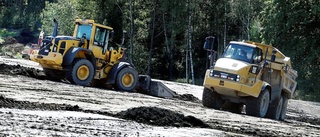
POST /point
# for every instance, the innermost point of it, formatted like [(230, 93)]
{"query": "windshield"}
[(239, 52), (84, 29)]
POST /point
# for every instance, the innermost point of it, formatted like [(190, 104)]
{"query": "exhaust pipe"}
[(55, 28)]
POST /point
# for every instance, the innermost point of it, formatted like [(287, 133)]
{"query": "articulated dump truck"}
[(249, 77)]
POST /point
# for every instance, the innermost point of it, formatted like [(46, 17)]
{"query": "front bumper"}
[(232, 88)]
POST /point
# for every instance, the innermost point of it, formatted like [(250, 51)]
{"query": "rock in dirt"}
[(160, 117)]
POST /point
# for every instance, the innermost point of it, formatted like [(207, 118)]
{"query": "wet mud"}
[(161, 117)]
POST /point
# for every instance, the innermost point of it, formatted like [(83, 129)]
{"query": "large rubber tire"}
[(127, 79), (284, 108), (258, 106), (211, 99), (81, 72), (275, 109), (54, 75)]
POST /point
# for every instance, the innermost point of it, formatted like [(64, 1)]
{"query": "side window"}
[(106, 42), (257, 57), (99, 37)]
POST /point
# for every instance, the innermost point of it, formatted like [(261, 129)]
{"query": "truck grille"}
[(224, 75)]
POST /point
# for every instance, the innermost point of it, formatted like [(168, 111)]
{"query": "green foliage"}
[(312, 96), (294, 28), (5, 33), (1, 40), (64, 12)]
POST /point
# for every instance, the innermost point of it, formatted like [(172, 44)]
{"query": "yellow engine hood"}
[(230, 65)]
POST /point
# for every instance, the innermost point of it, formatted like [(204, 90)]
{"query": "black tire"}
[(284, 108), (81, 72), (127, 79), (275, 109), (54, 75), (211, 99), (258, 106)]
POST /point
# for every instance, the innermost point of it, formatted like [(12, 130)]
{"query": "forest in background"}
[(167, 36)]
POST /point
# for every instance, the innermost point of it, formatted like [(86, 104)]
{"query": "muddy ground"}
[(31, 105)]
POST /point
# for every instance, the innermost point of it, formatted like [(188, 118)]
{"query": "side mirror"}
[(273, 56), (209, 44)]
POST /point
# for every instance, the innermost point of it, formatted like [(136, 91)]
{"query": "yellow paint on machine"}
[(52, 60), (232, 88)]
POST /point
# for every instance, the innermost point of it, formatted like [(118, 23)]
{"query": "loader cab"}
[(96, 35), (243, 52)]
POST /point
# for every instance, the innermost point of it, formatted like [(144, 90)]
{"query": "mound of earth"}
[(20, 70), (11, 103), (160, 117), (188, 97)]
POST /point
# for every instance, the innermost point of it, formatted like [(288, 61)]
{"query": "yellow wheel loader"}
[(87, 57), (249, 74), (90, 57)]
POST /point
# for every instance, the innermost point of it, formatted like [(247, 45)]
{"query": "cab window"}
[(100, 36), (257, 57), (84, 30)]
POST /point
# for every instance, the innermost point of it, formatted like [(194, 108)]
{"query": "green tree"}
[(64, 11), (293, 28)]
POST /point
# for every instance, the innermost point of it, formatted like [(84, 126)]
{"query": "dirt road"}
[(34, 106)]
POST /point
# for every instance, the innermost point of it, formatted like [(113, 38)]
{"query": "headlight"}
[(211, 73), (238, 78)]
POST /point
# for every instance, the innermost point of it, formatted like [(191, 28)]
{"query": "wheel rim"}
[(83, 72), (127, 80)]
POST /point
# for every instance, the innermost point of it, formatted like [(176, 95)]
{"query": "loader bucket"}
[(154, 88)]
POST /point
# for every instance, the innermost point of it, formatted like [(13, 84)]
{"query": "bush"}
[(1, 40), (6, 33)]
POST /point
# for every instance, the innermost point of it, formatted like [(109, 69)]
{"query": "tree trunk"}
[(190, 41), (225, 26), (187, 59), (152, 36), (131, 33), (248, 22)]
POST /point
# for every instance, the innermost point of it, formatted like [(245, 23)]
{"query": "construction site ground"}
[(31, 105)]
